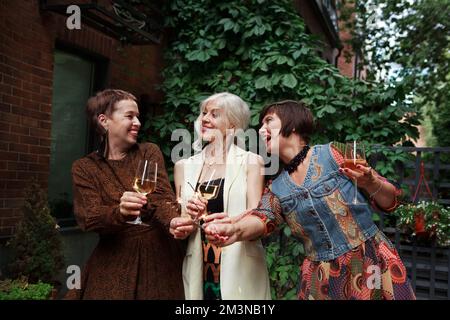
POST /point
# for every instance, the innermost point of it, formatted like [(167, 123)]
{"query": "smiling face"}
[(270, 131), (123, 124), (214, 123)]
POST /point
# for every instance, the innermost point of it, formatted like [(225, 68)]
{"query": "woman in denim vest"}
[(347, 256)]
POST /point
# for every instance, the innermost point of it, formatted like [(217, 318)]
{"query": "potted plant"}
[(427, 220)]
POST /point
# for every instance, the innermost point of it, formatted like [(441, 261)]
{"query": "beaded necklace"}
[(295, 162)]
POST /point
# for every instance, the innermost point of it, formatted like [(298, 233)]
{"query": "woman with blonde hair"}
[(234, 177)]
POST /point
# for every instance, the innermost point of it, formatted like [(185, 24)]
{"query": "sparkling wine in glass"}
[(354, 155), (209, 190), (145, 182)]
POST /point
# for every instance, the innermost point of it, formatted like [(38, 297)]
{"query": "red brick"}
[(28, 157), (20, 130), (39, 167), (44, 142), (16, 147), (20, 111), (7, 70), (29, 140), (42, 98), (44, 159), (17, 166), (11, 221), (13, 193), (4, 107), (29, 122), (15, 203), (33, 60), (41, 133), (11, 99), (47, 108), (31, 87), (12, 156), (26, 175), (6, 89), (39, 150), (43, 82), (30, 104), (16, 184), (10, 118), (6, 213), (19, 66), (32, 113), (42, 177), (22, 94), (46, 91), (45, 125), (9, 137), (8, 175), (5, 127)]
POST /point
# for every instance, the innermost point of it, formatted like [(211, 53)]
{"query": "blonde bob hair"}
[(236, 111)]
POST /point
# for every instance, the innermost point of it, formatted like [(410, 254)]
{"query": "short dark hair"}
[(295, 117), (103, 103)]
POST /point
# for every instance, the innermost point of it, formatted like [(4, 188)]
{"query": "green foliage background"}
[(260, 50), (413, 46)]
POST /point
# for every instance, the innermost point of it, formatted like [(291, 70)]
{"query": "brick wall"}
[(345, 65), (27, 43)]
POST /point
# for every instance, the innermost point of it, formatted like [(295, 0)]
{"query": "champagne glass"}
[(209, 190), (354, 155), (145, 182)]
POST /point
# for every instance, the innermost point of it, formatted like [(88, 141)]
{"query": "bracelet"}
[(378, 190)]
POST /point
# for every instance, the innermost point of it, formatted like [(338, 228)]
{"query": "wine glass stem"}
[(355, 199), (138, 220)]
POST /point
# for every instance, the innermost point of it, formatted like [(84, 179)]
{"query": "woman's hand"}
[(181, 227), (364, 175), (221, 234), (196, 207), (131, 203), (221, 217)]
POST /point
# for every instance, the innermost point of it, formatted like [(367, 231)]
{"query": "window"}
[(74, 78)]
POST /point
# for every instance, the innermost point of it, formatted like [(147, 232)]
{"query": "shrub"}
[(284, 257), (36, 244), (20, 289)]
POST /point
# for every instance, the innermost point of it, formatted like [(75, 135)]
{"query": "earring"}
[(103, 148)]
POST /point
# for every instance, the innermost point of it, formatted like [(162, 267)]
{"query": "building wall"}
[(27, 44), (310, 16)]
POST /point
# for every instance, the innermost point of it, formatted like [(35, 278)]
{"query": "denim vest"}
[(320, 213)]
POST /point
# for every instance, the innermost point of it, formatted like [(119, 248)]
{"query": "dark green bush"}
[(37, 243)]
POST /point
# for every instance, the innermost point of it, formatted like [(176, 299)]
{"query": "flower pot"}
[(419, 224)]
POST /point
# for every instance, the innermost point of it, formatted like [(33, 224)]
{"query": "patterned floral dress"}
[(212, 253), (373, 270)]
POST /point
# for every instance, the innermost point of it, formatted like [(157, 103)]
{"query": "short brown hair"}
[(104, 102), (294, 116)]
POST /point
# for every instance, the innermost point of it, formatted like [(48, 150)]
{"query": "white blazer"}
[(243, 269)]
